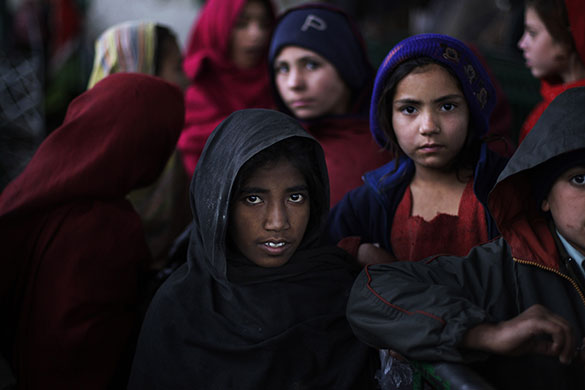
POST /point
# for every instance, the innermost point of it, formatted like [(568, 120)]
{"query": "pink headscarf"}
[(218, 87)]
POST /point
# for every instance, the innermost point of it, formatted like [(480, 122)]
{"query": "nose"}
[(522, 41), (429, 124), (295, 78), (276, 218), (255, 31)]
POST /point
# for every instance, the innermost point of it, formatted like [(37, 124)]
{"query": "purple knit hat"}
[(477, 86)]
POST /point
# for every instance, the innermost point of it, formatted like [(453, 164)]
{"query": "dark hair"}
[(164, 38), (266, 4), (300, 152), (553, 14), (469, 153)]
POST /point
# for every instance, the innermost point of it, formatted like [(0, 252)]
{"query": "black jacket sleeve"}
[(423, 309)]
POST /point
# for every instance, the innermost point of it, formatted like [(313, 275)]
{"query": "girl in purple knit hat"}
[(430, 107)]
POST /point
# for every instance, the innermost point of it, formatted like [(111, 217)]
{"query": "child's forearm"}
[(534, 331)]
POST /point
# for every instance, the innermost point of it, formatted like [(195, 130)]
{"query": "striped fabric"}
[(125, 47)]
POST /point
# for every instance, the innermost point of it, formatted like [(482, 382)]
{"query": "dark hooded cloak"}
[(281, 328)]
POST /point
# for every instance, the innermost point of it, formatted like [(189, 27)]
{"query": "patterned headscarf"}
[(125, 47)]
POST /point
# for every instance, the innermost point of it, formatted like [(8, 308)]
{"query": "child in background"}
[(226, 66), (72, 245), (554, 48), (259, 305), (150, 48), (430, 107), (138, 47), (321, 75), (514, 308)]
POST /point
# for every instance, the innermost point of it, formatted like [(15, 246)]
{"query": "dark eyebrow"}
[(253, 190), (302, 187), (449, 97), (309, 58), (576, 168), (439, 100), (301, 59), (259, 190), (406, 101)]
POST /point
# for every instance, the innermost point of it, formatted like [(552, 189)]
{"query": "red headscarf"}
[(218, 87), (72, 244), (575, 12)]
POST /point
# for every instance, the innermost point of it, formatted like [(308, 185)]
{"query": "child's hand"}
[(373, 254), (535, 331)]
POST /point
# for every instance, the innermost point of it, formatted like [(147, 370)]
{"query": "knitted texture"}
[(328, 32)]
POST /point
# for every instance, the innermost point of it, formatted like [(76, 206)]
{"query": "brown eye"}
[(578, 180), (253, 199), (312, 65), (297, 198), (407, 110), (241, 23), (281, 68), (448, 107)]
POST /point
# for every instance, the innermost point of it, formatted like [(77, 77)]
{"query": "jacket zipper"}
[(573, 283)]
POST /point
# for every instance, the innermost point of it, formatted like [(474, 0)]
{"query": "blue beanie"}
[(329, 32), (477, 86)]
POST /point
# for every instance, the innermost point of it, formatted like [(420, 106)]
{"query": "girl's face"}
[(269, 215), (566, 203), (430, 117), (309, 85), (250, 35), (544, 56), (171, 68)]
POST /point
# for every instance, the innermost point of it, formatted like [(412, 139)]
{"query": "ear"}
[(545, 206)]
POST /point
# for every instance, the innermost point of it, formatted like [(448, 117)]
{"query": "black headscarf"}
[(281, 328)]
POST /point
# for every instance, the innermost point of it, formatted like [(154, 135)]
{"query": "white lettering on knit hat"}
[(315, 22)]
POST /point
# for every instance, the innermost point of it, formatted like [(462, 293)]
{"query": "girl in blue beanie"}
[(321, 76), (430, 107)]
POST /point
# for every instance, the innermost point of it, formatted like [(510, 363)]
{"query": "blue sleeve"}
[(363, 213), (349, 217), (487, 171)]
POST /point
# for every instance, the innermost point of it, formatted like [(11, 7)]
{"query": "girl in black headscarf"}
[(258, 305)]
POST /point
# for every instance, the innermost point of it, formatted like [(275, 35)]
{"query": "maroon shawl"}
[(350, 151), (72, 244)]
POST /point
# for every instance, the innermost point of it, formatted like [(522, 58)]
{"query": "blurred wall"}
[(178, 14)]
